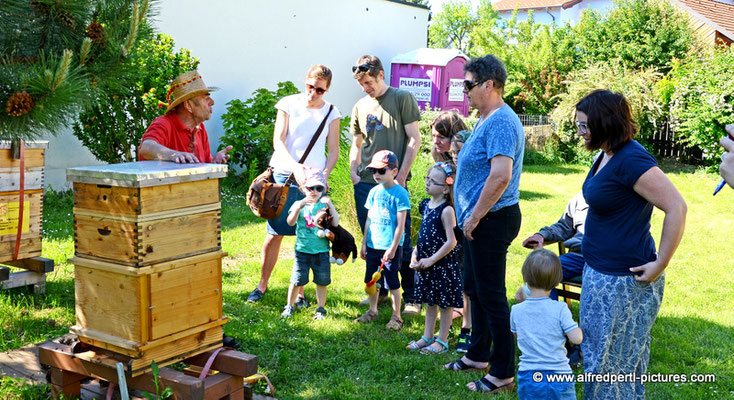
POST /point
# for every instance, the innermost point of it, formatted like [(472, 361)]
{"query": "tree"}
[(452, 26), (637, 33), (57, 54), (112, 128)]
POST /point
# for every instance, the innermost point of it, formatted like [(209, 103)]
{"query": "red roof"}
[(509, 5), (715, 13)]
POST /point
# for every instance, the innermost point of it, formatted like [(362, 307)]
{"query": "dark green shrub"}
[(699, 94), (248, 128), (113, 127)]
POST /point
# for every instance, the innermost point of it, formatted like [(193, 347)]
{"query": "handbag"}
[(267, 198)]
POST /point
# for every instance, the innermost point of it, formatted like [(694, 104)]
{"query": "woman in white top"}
[(299, 116)]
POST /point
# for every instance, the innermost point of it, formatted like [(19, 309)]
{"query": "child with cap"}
[(387, 207), (312, 251)]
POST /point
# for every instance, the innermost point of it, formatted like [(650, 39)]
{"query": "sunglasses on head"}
[(318, 90), (362, 68), (469, 85), (317, 188), (380, 171)]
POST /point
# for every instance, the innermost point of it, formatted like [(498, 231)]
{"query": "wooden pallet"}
[(67, 370), (34, 275)]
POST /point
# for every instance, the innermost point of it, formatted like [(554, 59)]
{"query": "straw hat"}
[(185, 86)]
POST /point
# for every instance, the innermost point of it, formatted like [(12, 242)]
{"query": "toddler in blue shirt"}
[(541, 326)]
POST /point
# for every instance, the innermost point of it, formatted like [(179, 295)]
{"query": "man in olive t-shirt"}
[(385, 119)]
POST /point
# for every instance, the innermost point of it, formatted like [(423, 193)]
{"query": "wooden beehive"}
[(147, 212), (148, 275), (32, 223)]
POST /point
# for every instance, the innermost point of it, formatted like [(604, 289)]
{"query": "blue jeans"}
[(318, 262), (529, 389), (572, 265)]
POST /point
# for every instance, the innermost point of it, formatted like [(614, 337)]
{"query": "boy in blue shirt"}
[(541, 326), (312, 251), (387, 207)]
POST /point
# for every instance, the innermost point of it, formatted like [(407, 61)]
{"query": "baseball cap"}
[(384, 159)]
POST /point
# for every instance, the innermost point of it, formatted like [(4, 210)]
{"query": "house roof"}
[(510, 5), (716, 14)]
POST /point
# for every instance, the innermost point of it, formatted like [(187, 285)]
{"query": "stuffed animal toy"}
[(342, 242)]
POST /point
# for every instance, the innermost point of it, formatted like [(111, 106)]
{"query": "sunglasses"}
[(318, 188), (362, 68), (469, 85), (582, 126), (380, 171), (318, 90)]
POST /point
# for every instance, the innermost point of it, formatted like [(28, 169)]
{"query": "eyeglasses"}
[(469, 85), (318, 188), (380, 171), (362, 68), (582, 126), (318, 90), (432, 182)]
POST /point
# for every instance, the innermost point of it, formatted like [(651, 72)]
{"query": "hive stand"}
[(69, 365), (34, 275)]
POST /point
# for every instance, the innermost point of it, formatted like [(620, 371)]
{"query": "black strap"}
[(313, 141), (315, 136)]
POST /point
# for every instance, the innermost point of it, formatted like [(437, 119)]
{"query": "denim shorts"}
[(389, 279), (279, 226), (318, 262)]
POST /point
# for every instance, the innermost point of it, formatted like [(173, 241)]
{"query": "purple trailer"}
[(434, 76)]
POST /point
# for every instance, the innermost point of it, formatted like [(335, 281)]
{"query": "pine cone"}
[(20, 103), (39, 7), (95, 31), (67, 19)]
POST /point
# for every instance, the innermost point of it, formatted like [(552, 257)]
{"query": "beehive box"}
[(164, 312), (32, 223), (148, 212)]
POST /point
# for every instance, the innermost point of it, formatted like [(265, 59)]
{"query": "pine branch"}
[(63, 69)]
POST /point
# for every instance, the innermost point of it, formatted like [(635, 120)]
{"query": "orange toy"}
[(371, 287)]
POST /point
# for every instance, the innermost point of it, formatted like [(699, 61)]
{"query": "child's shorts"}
[(389, 279), (529, 386), (318, 262)]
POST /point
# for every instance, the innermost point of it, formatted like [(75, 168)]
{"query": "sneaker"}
[(255, 296), (320, 314), (366, 301), (302, 302), (288, 311), (412, 309), (462, 345)]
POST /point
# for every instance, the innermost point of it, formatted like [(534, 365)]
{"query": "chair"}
[(565, 286)]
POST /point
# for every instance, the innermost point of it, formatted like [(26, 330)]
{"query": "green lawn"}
[(337, 358)]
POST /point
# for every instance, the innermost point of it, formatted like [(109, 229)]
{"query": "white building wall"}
[(572, 14), (246, 45), (541, 17)]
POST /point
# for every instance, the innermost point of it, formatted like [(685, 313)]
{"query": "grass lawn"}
[(336, 358)]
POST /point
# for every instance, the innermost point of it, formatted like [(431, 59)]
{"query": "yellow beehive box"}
[(31, 225), (147, 212), (163, 312)]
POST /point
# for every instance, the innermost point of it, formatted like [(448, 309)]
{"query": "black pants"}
[(485, 260)]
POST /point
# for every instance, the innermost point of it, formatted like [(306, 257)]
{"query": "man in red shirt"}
[(179, 135)]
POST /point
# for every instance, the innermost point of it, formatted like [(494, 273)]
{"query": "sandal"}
[(459, 365), (395, 323), (432, 350), (414, 345), (367, 317), (483, 385)]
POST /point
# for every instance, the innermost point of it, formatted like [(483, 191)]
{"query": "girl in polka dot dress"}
[(435, 259)]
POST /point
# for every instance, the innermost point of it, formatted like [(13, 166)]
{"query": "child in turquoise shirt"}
[(312, 251)]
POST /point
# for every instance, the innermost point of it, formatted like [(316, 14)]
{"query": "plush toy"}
[(342, 242), (371, 287)]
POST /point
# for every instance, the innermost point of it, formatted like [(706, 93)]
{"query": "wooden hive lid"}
[(145, 173), (35, 144)]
